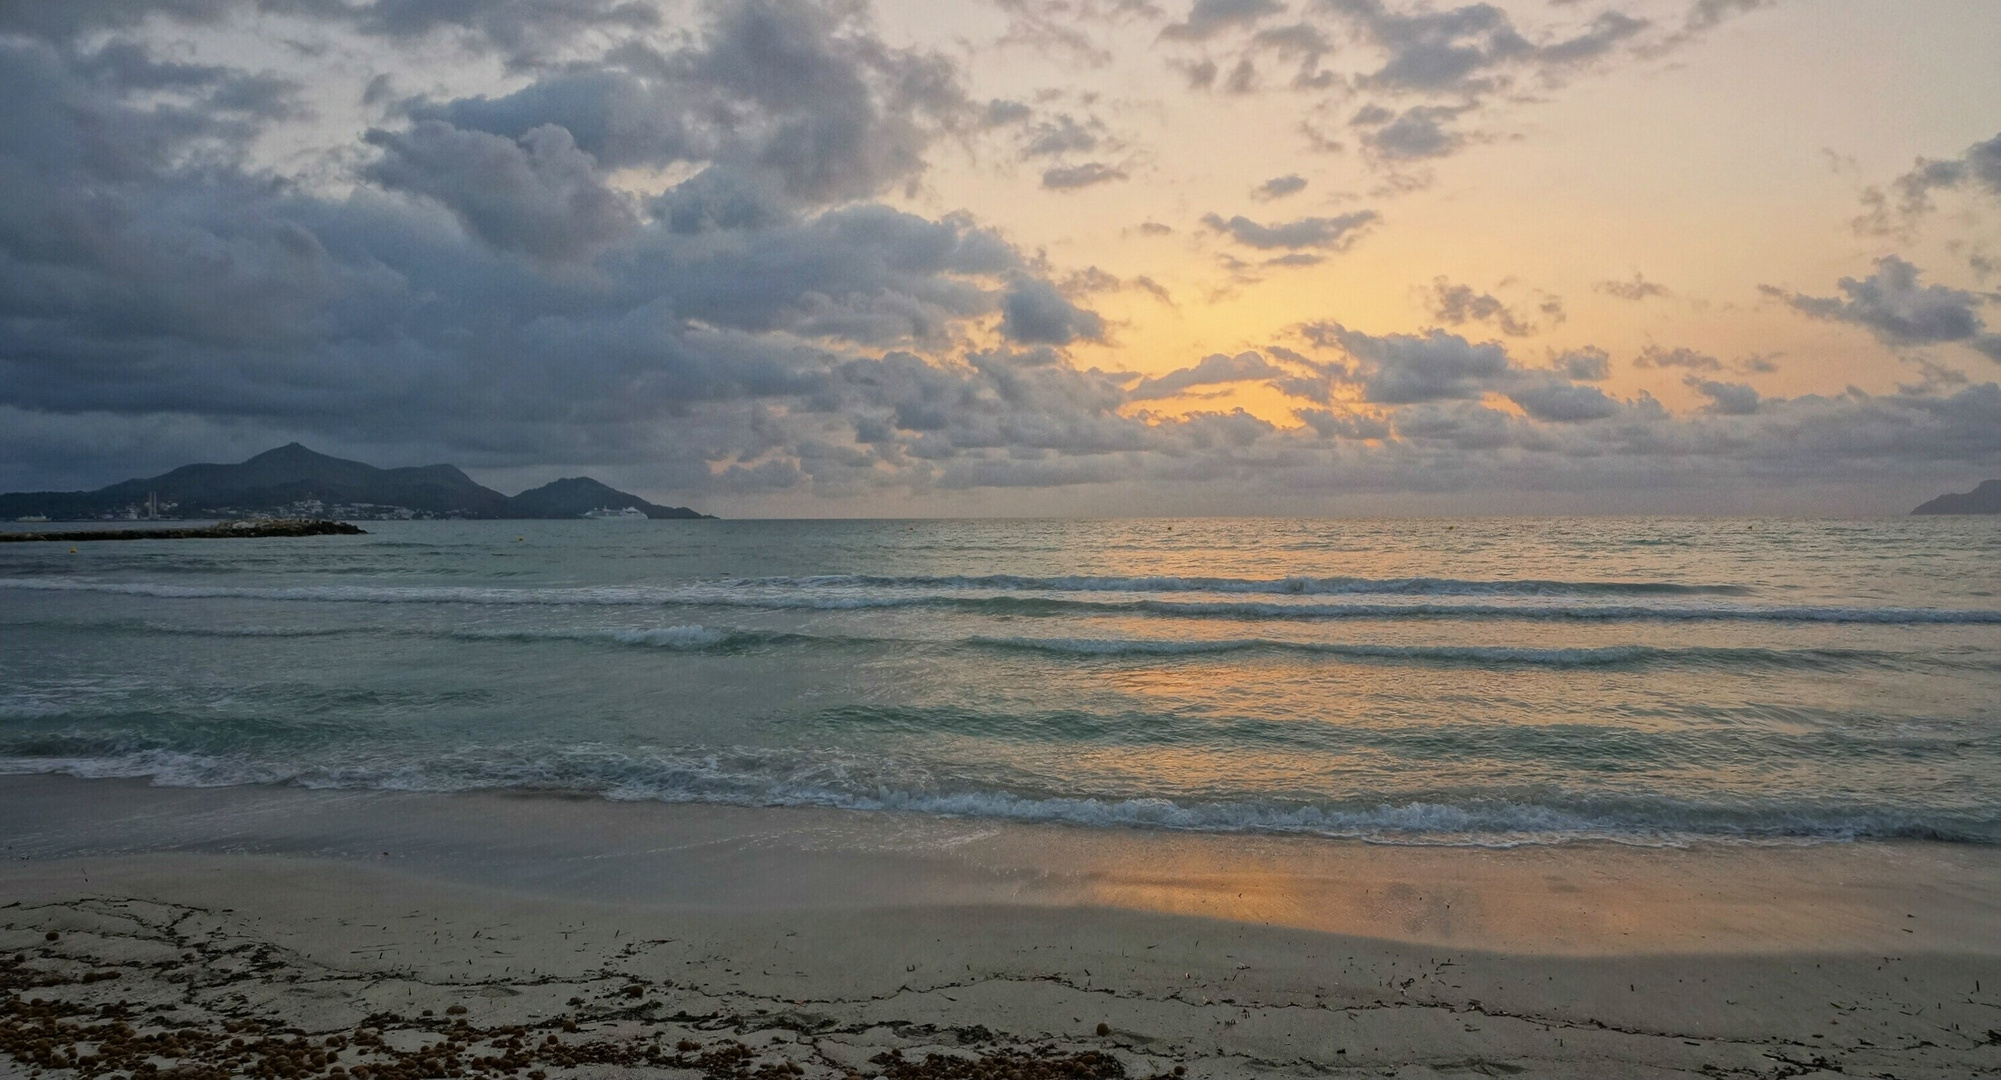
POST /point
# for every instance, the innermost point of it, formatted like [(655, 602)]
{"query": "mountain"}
[(292, 480), (1985, 499), (575, 496)]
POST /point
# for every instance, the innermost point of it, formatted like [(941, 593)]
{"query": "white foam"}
[(699, 595), (704, 779)]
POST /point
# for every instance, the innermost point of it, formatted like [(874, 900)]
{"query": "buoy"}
[(519, 539)]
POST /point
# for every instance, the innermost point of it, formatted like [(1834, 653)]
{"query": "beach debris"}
[(1104, 1028), (1010, 1064)]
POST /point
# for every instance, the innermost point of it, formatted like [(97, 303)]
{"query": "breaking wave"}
[(786, 782), (1020, 605)]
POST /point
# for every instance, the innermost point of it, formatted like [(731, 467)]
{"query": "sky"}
[(1016, 257)]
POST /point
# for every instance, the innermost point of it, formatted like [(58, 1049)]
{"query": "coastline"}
[(846, 935)]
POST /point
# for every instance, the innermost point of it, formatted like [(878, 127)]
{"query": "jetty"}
[(227, 530)]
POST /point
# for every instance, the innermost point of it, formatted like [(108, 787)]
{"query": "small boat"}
[(630, 513)]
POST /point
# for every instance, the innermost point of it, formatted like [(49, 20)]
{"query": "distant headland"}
[(294, 482), (1985, 499)]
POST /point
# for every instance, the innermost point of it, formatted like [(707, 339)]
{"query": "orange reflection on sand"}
[(1574, 899)]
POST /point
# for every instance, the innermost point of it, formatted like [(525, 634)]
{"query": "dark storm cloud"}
[(63, 23), (140, 279), (538, 195), (526, 32), (1330, 233), (777, 86), (467, 282), (1899, 311)]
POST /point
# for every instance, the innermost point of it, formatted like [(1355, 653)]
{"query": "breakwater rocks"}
[(224, 531)]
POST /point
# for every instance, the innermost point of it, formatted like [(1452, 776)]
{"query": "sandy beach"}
[(286, 933)]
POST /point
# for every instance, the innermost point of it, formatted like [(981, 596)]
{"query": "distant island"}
[(1985, 499), (294, 482)]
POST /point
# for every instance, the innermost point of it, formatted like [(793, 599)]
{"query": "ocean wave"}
[(710, 596), (709, 778), (1581, 612), (686, 637), (1295, 585), (697, 637), (692, 637), (1481, 655)]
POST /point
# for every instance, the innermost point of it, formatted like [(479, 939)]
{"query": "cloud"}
[(1419, 132), (1329, 424), (540, 195), (1279, 187), (1587, 364), (1457, 305), (1653, 356), (486, 288), (1064, 29), (1072, 177), (1635, 290), (525, 32), (1062, 135), (1034, 313), (1979, 168), (480, 279), (1329, 233), (1900, 312), (1242, 78), (1469, 49), (1560, 401), (1704, 14), (1727, 399), (1449, 50), (1211, 370), (1401, 369), (1000, 113), (781, 88), (1208, 18), (1201, 74)]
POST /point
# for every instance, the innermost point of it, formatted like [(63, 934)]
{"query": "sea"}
[(1484, 682)]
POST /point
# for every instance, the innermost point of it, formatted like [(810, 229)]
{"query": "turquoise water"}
[(1485, 682)]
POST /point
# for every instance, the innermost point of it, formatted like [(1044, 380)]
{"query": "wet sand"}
[(690, 940)]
